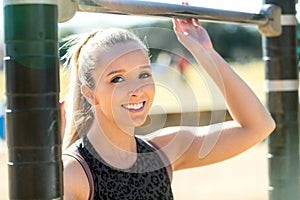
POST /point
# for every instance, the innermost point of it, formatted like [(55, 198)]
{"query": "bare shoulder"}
[(182, 144), (173, 141), (171, 136), (76, 185)]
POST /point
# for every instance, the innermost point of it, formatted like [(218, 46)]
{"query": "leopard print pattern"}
[(146, 179)]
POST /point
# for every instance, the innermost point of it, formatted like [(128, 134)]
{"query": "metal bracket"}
[(273, 27), (66, 9)]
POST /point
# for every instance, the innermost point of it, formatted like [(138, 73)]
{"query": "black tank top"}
[(147, 179)]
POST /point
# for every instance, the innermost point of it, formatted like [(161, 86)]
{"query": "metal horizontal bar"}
[(146, 8)]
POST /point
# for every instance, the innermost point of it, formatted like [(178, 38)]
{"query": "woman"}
[(114, 87)]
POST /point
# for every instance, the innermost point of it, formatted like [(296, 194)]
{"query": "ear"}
[(88, 94)]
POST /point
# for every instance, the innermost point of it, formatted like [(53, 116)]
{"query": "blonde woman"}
[(113, 93)]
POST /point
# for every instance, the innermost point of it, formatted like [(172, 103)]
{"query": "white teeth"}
[(134, 106)]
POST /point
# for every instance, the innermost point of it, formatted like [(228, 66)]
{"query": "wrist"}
[(201, 53)]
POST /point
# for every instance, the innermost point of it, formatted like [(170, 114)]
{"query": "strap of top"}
[(73, 152), (163, 157)]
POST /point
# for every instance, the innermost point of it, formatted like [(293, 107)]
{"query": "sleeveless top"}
[(147, 178)]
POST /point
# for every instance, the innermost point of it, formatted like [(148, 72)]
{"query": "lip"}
[(134, 107)]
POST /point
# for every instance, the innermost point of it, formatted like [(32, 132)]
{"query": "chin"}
[(136, 122), (139, 121)]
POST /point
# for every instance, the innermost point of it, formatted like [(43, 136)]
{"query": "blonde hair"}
[(83, 56)]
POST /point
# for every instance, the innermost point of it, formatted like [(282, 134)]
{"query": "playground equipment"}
[(32, 86), (268, 20)]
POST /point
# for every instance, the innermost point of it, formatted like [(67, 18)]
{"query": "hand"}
[(191, 34)]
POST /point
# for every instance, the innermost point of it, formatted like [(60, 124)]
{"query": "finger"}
[(195, 22), (188, 20), (183, 20), (175, 23), (62, 112), (179, 22), (179, 25)]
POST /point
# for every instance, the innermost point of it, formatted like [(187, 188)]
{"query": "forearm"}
[(243, 104)]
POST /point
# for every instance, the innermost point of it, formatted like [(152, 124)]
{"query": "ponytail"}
[(79, 112)]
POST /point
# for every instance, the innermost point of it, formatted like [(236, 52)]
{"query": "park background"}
[(244, 177)]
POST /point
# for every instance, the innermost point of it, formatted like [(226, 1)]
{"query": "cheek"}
[(110, 98), (104, 97), (150, 89)]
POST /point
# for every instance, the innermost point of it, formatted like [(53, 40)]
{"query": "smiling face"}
[(125, 89)]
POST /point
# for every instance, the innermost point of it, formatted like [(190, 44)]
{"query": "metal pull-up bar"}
[(268, 20)]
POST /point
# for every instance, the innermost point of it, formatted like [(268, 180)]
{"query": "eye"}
[(144, 75), (117, 79)]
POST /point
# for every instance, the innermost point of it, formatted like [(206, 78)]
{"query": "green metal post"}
[(280, 54), (32, 89)]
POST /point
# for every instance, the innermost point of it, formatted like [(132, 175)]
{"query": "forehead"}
[(124, 55), (119, 50)]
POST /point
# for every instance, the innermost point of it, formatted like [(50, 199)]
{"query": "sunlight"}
[(252, 6)]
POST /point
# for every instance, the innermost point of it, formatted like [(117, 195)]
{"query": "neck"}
[(113, 144)]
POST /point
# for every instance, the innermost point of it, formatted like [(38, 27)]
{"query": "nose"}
[(136, 92)]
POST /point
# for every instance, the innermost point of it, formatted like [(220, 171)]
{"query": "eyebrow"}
[(145, 67), (115, 72), (122, 70)]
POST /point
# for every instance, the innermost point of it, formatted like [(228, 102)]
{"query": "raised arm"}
[(205, 145), (243, 105)]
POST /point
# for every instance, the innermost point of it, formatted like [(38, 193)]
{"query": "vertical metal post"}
[(280, 54), (32, 89)]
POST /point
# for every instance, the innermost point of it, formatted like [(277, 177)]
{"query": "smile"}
[(134, 106)]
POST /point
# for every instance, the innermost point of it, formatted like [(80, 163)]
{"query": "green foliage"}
[(233, 42), (159, 36), (64, 33)]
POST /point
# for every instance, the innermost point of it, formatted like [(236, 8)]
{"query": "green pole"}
[(280, 54), (32, 89)]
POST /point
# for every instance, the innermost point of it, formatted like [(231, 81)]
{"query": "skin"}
[(186, 147)]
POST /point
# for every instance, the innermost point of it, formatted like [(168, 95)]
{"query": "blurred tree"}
[(233, 42), (63, 34), (159, 36)]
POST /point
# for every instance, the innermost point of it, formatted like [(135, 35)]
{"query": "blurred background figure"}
[(2, 126), (182, 64)]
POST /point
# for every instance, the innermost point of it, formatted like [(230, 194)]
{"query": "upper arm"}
[(76, 185), (189, 147)]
